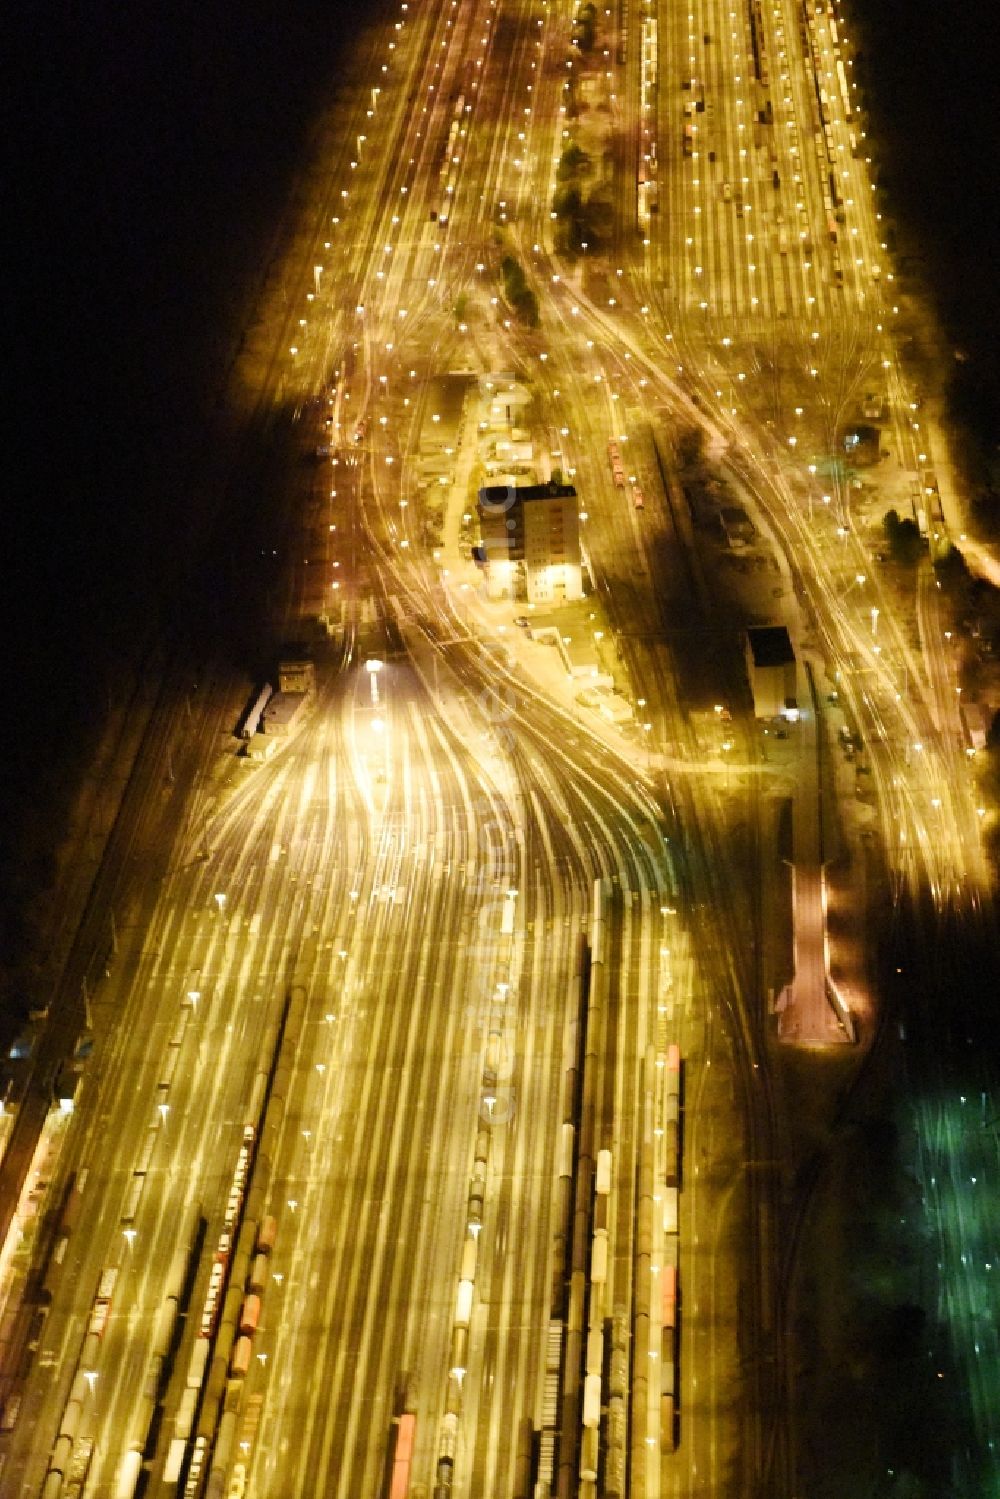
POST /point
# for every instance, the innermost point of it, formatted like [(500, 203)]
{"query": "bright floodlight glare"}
[(373, 666)]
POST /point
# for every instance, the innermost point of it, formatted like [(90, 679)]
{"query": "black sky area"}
[(152, 147), (930, 77), (149, 153)]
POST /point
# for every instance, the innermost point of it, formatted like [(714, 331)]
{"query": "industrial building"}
[(296, 674), (531, 542), (506, 402), (736, 525), (771, 669)]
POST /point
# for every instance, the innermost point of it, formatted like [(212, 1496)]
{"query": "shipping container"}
[(592, 1400), (128, 1475), (267, 1235), (175, 1459), (242, 1354), (602, 1180), (463, 1304), (250, 1314)]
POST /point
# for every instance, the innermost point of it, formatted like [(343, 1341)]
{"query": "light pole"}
[(727, 745), (373, 668)]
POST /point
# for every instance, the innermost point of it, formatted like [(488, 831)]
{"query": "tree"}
[(904, 539), (584, 27), (993, 733), (518, 293), (572, 163), (690, 447), (526, 308), (951, 570), (567, 202), (583, 36), (986, 512)]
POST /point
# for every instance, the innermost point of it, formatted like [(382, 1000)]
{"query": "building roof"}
[(504, 387), (770, 646), (498, 495), (283, 707)]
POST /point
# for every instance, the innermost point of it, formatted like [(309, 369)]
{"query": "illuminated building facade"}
[(531, 542)]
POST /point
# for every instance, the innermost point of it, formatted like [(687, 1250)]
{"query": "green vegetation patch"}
[(518, 293)]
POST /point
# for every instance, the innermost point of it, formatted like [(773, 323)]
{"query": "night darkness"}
[(150, 153), (930, 76)]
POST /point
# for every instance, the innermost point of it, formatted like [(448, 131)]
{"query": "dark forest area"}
[(928, 78), (150, 154)]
